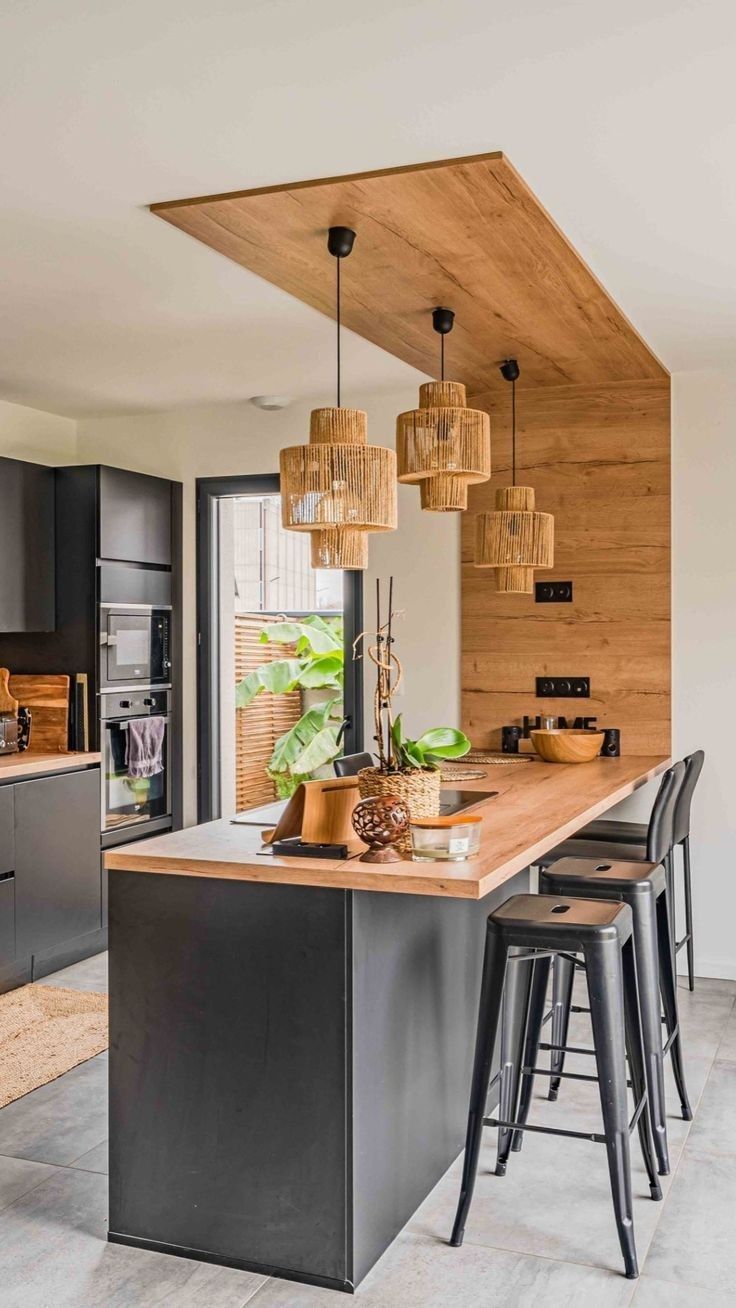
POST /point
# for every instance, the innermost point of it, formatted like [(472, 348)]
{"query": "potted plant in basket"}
[(409, 769)]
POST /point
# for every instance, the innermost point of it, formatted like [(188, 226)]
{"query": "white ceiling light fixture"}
[(270, 403)]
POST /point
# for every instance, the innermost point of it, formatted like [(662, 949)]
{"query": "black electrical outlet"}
[(553, 592), (563, 687)]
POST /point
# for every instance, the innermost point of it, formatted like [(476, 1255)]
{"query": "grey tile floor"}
[(543, 1235)]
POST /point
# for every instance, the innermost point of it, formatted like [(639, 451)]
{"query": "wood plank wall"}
[(599, 459)]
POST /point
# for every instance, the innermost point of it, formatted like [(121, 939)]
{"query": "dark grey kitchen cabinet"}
[(57, 861), (7, 885), (27, 591), (135, 517), (7, 831)]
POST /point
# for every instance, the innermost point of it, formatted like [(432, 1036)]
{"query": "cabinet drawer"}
[(7, 831), (7, 921)]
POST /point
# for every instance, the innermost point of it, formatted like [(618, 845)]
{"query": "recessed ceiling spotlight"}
[(271, 402)]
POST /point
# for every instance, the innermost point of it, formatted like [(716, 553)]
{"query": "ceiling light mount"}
[(510, 370), (443, 320), (340, 241)]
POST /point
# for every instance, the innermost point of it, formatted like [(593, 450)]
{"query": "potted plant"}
[(317, 670), (409, 769)]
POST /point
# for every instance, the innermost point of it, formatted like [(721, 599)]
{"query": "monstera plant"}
[(317, 664)]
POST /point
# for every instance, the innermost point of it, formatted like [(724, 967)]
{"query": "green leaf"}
[(412, 754), (397, 733), (325, 672), (320, 750), (293, 743), (305, 634), (443, 742), (277, 678)]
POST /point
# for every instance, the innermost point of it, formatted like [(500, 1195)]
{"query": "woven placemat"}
[(456, 772), (500, 760)]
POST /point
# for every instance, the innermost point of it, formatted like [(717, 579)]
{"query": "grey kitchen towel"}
[(144, 752)]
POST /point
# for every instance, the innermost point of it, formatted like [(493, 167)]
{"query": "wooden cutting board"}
[(7, 703), (47, 698)]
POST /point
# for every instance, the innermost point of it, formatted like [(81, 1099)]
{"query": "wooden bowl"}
[(567, 745)]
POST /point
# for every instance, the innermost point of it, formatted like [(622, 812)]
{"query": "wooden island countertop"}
[(538, 805), (26, 764)]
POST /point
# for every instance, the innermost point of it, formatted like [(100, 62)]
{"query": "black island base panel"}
[(289, 1066)]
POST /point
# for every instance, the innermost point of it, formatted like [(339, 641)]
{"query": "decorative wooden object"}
[(338, 487), (381, 822), (7, 702), (465, 231), (567, 746), (443, 445), (47, 697), (319, 811), (514, 540)]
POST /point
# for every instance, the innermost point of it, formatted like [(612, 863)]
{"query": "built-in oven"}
[(136, 762), (135, 645)]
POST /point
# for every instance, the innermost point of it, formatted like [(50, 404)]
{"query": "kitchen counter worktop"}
[(19, 767), (538, 805)]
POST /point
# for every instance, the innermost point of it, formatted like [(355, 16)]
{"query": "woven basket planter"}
[(419, 789)]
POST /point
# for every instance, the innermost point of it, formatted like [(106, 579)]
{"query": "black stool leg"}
[(605, 987), (635, 1050), (489, 1016), (689, 914), (668, 989), (646, 953), (516, 993), (669, 868), (563, 976), (535, 1019)]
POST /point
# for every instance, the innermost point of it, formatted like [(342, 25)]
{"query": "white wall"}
[(36, 436), (221, 440)]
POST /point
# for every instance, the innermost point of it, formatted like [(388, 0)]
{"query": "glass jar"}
[(449, 839)]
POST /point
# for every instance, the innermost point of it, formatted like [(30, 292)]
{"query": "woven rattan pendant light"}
[(338, 487), (443, 445), (515, 539)]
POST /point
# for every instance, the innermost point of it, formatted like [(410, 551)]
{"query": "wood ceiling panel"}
[(467, 233)]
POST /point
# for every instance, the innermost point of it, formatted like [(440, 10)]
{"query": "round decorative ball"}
[(380, 821)]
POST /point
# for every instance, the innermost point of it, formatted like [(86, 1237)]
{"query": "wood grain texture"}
[(537, 806), (599, 459), (465, 232), (47, 697), (21, 767)]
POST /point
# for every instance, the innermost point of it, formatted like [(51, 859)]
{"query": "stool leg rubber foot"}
[(687, 1113), (500, 1169), (655, 1192), (553, 1093), (456, 1239)]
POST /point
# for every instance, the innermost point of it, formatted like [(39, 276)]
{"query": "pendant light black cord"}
[(442, 358), (513, 432), (338, 261)]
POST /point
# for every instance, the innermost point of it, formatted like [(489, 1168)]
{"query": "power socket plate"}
[(553, 592), (563, 687)]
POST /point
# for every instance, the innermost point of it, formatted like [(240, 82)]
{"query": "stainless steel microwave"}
[(135, 645)]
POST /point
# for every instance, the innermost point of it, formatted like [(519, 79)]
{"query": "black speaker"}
[(510, 740), (611, 747)]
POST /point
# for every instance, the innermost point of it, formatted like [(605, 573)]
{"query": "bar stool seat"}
[(578, 847), (522, 936), (624, 833)]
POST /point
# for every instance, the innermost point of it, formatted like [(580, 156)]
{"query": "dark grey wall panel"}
[(227, 1070), (7, 921), (26, 547)]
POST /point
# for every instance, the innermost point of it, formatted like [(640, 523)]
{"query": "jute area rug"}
[(44, 1032)]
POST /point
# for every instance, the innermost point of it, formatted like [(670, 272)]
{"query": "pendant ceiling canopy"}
[(443, 445), (515, 539), (338, 487)]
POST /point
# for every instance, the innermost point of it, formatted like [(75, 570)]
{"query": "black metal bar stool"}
[(635, 833), (643, 886), (522, 936)]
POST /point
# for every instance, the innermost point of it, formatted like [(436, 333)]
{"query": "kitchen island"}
[(291, 1039)]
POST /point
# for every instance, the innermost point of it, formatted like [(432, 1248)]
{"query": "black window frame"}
[(210, 490)]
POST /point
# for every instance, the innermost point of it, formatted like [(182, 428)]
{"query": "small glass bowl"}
[(450, 839)]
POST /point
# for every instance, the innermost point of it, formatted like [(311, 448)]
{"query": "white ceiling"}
[(621, 117)]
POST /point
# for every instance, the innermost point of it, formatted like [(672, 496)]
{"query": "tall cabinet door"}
[(57, 860), (135, 517)]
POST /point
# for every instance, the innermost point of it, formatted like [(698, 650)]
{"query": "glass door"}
[(279, 688)]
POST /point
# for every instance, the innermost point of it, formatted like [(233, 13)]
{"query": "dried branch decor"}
[(407, 769)]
